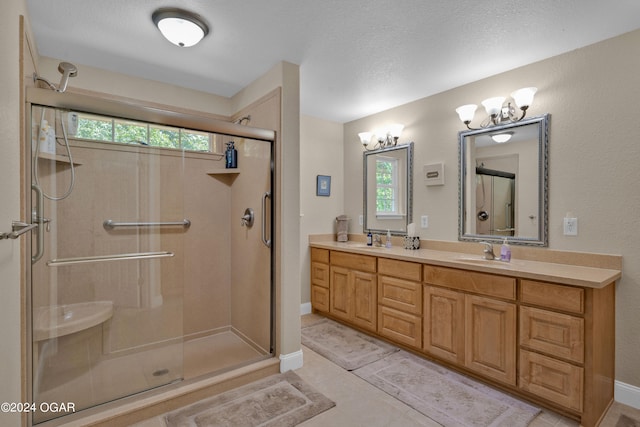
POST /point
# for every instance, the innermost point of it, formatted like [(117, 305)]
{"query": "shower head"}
[(68, 70)]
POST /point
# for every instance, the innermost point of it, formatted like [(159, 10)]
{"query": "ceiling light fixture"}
[(180, 27), (502, 137), (385, 137), (497, 110)]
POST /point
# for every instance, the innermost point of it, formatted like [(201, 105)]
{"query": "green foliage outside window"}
[(138, 133), (385, 186)]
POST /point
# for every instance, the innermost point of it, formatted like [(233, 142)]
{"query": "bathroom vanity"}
[(541, 330)]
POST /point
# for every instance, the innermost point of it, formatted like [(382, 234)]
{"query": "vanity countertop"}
[(568, 274)]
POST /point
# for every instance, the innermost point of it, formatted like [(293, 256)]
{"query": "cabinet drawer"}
[(401, 327), (551, 379), (400, 294), (554, 296), (471, 281), (557, 334), (320, 274), (401, 269), (320, 298), (320, 255), (353, 261)]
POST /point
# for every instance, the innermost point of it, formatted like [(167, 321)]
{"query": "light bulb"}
[(524, 97), (493, 105), (466, 112)]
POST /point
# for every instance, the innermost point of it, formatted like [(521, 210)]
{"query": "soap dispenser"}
[(505, 251), (369, 238), (388, 244), (231, 156)]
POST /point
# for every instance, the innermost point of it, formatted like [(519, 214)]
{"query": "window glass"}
[(95, 127), (195, 141), (386, 185), (100, 128), (164, 136), (130, 132)]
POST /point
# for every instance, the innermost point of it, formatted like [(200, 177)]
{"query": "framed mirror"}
[(504, 183), (388, 189)]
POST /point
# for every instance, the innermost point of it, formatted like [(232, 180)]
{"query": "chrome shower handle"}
[(267, 242), (247, 218), (38, 219)]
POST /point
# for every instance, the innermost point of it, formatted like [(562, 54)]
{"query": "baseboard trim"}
[(305, 308), (291, 361), (627, 394)]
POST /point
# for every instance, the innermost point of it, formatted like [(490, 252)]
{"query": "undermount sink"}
[(59, 320), (479, 260), (365, 246)]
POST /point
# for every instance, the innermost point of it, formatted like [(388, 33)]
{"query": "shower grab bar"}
[(267, 242), (102, 258), (18, 228), (109, 224)]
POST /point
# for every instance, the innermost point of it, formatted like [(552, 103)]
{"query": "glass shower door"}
[(108, 260)]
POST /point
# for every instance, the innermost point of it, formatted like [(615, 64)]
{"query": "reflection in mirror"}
[(388, 189), (503, 183)]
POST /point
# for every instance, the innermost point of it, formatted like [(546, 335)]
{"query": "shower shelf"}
[(225, 175), (224, 172), (58, 158)]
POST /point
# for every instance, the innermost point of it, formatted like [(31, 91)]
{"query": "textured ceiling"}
[(356, 57)]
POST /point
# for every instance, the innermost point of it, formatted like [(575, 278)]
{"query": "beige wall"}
[(135, 88), (320, 154), (591, 94), (10, 367)]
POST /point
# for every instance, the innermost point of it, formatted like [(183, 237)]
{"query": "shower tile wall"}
[(117, 183)]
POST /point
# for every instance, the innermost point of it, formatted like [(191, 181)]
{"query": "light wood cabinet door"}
[(444, 324), (353, 297), (365, 304), (490, 330), (340, 294)]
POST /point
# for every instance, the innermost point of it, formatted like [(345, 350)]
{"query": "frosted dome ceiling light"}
[(180, 27)]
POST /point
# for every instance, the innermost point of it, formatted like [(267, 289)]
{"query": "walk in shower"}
[(152, 262)]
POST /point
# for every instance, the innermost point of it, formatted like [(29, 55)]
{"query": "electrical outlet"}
[(571, 226), (424, 221), (360, 220)]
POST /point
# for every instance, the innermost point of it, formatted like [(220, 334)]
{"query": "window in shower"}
[(107, 129)]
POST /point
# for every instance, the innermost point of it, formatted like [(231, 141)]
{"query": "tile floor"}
[(358, 403)]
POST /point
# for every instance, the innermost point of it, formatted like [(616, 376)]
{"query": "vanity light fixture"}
[(498, 112), (180, 27), (385, 137)]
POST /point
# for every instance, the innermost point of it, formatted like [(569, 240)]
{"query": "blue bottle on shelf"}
[(231, 156)]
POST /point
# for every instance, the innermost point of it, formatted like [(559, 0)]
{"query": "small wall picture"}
[(323, 185)]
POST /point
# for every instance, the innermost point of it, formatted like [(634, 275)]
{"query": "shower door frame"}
[(132, 111)]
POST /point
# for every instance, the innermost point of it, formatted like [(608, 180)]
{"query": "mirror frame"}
[(408, 193), (543, 183)]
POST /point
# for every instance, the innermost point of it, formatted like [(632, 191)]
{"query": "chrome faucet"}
[(377, 240), (488, 251)]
